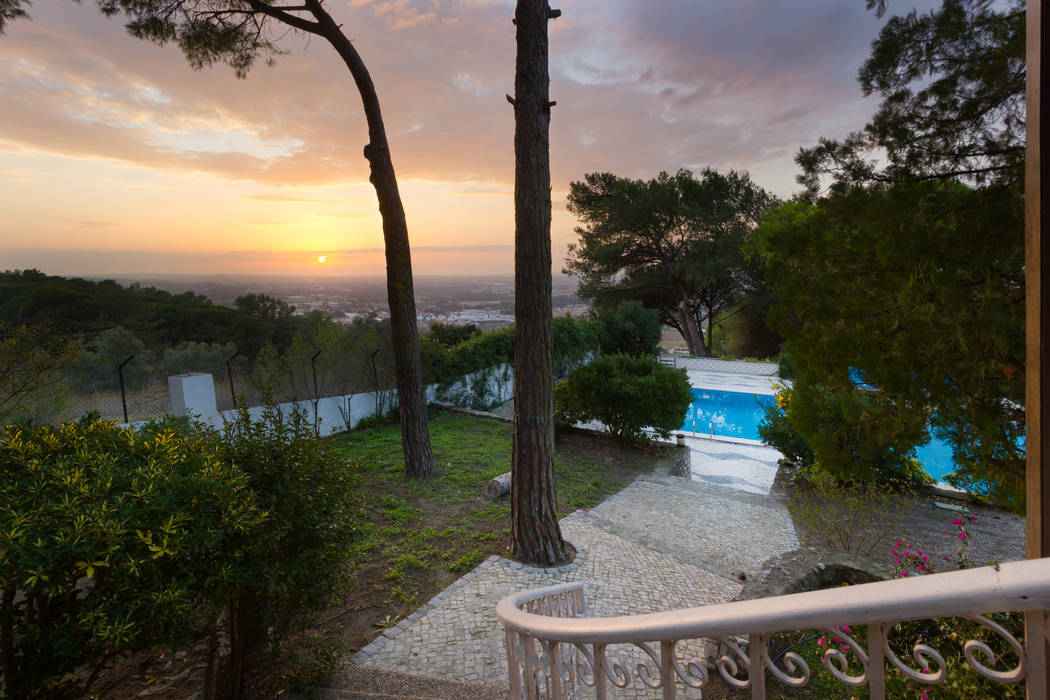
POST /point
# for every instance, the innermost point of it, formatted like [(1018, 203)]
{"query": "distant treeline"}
[(85, 308), (72, 342)]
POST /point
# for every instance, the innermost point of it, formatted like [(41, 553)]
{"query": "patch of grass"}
[(468, 561)]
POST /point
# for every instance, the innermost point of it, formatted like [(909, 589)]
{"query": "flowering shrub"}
[(947, 635)]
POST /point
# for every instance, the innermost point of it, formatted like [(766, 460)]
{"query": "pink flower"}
[(957, 522), (962, 535), (924, 557), (899, 543), (973, 518), (844, 648), (898, 560), (904, 572), (822, 641), (845, 628)]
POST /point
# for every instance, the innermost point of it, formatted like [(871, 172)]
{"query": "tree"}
[(952, 83), (32, 377), (451, 334), (263, 306), (535, 533), (626, 394), (672, 243), (238, 32), (911, 268), (920, 286), (630, 328)]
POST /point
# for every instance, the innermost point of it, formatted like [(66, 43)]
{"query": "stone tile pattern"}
[(660, 544), (751, 468)]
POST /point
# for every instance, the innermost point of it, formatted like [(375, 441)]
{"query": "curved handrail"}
[(1015, 586)]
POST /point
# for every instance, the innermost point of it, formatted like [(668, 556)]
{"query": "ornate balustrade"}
[(555, 652)]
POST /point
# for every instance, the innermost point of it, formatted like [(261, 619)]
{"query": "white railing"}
[(555, 652)]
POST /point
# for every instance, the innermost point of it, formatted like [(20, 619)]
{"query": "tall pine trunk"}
[(415, 435), (535, 531)]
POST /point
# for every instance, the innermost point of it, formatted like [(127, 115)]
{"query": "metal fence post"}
[(313, 367), (123, 397), (229, 375)]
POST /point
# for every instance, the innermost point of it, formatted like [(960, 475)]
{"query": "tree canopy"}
[(920, 286), (673, 243), (952, 83), (909, 271)]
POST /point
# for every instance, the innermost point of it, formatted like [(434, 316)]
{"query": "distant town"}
[(487, 301)]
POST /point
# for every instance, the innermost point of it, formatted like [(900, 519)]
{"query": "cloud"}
[(641, 87)]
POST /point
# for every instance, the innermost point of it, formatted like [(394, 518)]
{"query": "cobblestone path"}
[(661, 543)]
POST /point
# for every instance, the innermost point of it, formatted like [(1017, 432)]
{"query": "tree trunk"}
[(415, 435), (694, 339), (535, 532)]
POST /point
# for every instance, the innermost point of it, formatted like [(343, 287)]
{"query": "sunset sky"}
[(117, 158)]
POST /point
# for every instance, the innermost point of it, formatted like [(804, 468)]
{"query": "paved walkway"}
[(661, 543)]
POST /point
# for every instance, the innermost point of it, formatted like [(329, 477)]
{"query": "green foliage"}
[(921, 287), (33, 387), (629, 328), (777, 430), (300, 562), (859, 435), (470, 373), (109, 541), (626, 394), (672, 243), (263, 306), (846, 516), (952, 83), (451, 334)]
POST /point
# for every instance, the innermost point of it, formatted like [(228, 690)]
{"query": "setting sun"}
[(321, 258)]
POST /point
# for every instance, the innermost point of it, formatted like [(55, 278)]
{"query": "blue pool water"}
[(737, 414), (936, 458), (726, 413)]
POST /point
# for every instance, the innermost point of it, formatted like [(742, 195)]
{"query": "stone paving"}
[(661, 543), (737, 464)]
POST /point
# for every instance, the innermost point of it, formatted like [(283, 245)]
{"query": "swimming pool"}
[(726, 413), (737, 415)]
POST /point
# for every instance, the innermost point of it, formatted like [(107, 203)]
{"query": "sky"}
[(117, 157)]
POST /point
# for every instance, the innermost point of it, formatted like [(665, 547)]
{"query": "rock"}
[(810, 570)]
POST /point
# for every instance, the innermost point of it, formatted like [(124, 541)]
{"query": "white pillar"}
[(193, 395)]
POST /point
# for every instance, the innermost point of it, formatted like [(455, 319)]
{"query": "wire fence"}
[(710, 364), (137, 388)]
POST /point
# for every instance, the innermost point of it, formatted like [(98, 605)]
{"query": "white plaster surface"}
[(727, 381)]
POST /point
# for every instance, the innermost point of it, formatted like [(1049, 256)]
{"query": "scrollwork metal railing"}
[(553, 651)]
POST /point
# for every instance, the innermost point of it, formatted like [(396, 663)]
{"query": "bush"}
[(625, 394), (853, 434), (299, 562), (629, 328), (108, 540), (777, 430)]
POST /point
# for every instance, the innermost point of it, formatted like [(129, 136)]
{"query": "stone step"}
[(353, 682)]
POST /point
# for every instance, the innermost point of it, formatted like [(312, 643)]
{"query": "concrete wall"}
[(190, 396)]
